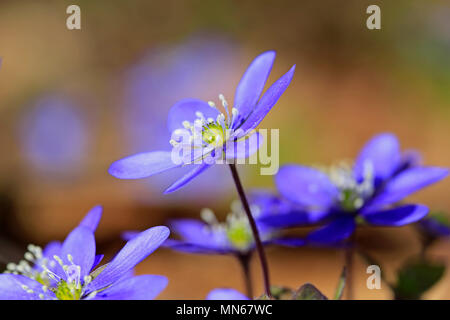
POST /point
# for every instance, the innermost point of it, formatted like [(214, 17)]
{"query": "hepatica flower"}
[(70, 271), (204, 134), (165, 75), (366, 192), (54, 135), (232, 236)]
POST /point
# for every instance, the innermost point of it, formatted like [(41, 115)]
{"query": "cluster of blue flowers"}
[(369, 191)]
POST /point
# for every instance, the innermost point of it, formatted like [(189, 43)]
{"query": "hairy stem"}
[(256, 237)]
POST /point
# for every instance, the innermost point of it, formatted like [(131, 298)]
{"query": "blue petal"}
[(286, 220), (196, 231), (226, 294), (337, 230), (128, 235), (264, 198), (434, 227), (97, 260), (142, 165), (191, 230), (288, 242), (80, 244), (407, 182), (198, 248), (52, 248), (131, 254), (92, 218), (145, 287), (11, 288), (306, 186), (252, 83), (267, 101), (382, 153), (197, 169), (397, 216), (185, 110), (244, 147)]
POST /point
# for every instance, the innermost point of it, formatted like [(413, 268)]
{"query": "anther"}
[(28, 256), (58, 259), (208, 216)]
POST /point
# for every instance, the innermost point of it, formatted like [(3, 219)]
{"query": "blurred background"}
[(72, 102)]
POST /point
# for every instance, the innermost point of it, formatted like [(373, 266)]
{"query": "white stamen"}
[(208, 216)]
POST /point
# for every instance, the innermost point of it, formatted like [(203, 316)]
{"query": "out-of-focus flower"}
[(70, 271), (366, 192), (435, 226), (54, 136), (226, 294), (233, 236), (211, 134), (156, 82)]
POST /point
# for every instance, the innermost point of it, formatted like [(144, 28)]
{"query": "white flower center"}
[(352, 194), (236, 226), (70, 288), (208, 134)]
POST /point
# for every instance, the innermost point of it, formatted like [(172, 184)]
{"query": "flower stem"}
[(256, 237), (349, 250), (244, 261)]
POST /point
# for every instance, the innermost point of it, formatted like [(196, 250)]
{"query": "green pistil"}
[(239, 235), (42, 279), (213, 134), (348, 200), (67, 291)]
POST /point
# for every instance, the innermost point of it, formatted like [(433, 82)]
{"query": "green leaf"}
[(281, 293), (308, 292), (416, 277), (341, 285)]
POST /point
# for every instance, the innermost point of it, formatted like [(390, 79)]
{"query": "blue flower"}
[(165, 75), (203, 134), (226, 294), (365, 192), (54, 136), (70, 271), (233, 236)]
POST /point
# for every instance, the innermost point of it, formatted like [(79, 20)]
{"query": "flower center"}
[(208, 134), (236, 227), (68, 291), (352, 194), (68, 287)]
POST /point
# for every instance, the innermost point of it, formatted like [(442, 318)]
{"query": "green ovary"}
[(214, 135), (240, 235), (67, 291), (350, 200)]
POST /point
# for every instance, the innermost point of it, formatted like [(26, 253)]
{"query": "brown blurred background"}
[(71, 102)]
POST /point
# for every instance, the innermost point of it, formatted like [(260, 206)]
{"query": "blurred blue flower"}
[(435, 226), (226, 294), (69, 270), (233, 236), (54, 136), (164, 76), (365, 192), (212, 134)]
